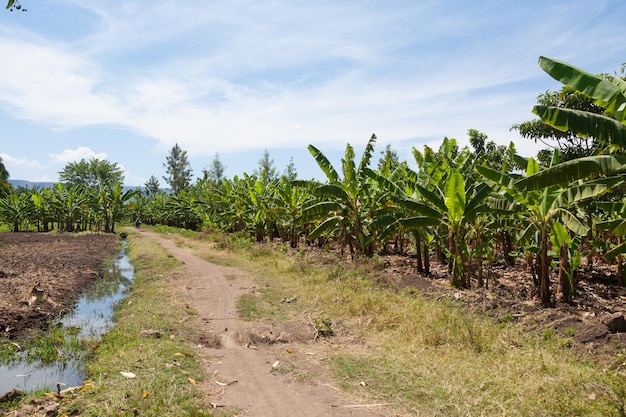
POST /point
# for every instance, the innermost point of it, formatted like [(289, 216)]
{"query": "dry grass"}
[(429, 357)]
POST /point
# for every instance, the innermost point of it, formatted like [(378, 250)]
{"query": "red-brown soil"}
[(42, 275)]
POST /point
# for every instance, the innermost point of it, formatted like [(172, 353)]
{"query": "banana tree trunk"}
[(418, 252), (565, 285), (426, 259), (544, 271)]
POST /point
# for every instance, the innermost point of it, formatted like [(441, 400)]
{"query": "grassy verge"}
[(152, 373), (420, 355)]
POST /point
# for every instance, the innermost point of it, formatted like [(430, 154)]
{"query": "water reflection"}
[(93, 316)]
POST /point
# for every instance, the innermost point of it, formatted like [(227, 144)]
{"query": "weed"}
[(323, 327)]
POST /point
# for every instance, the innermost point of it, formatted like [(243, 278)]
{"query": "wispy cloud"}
[(12, 161), (73, 155), (232, 75)]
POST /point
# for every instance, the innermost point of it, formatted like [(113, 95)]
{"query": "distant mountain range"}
[(29, 184), (40, 185)]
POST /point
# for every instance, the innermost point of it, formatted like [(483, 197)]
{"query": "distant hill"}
[(29, 184), (40, 185)]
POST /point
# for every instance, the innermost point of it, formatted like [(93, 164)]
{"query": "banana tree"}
[(348, 204), (182, 210), (68, 203), (607, 91), (286, 207), (540, 210), (457, 207), (16, 210), (609, 128), (43, 208)]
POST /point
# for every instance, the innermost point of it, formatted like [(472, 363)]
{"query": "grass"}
[(423, 356), (166, 370), (54, 345)]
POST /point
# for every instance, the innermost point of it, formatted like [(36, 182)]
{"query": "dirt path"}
[(244, 375)]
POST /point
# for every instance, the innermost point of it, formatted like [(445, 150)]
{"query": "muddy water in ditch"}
[(93, 316)]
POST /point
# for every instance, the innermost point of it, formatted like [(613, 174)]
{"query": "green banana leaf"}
[(576, 169), (607, 94), (584, 124), (324, 164)]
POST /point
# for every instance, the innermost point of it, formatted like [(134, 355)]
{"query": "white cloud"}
[(72, 155), (232, 75), (12, 161)]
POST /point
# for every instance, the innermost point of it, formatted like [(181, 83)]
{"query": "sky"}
[(126, 81)]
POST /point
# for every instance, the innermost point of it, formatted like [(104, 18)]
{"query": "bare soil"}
[(43, 275)]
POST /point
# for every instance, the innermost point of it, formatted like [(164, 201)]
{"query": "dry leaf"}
[(225, 384), (191, 381), (145, 394), (275, 364), (289, 350), (128, 374), (187, 355)]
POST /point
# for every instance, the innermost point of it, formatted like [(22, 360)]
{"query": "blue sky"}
[(82, 78)]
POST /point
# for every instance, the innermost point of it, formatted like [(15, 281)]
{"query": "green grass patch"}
[(53, 345), (166, 370)]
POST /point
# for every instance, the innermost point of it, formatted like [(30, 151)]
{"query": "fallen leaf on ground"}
[(128, 374), (225, 384), (191, 381), (275, 364)]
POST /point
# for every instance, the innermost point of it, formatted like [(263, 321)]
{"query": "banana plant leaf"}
[(455, 195), (616, 251), (607, 94), (419, 222), (326, 226), (576, 169), (324, 164), (584, 124)]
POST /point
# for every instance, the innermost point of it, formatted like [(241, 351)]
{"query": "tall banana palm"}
[(286, 207), (609, 129), (346, 206), (67, 204), (43, 206), (120, 200), (17, 209), (544, 212)]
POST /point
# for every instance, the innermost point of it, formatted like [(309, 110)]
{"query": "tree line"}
[(468, 208)]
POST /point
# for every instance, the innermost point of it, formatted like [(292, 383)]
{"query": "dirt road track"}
[(244, 377)]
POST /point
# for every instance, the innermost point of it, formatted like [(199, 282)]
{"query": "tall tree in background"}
[(152, 186), (5, 187), (389, 161), (496, 156), (267, 170), (96, 173), (290, 170), (178, 170), (216, 172)]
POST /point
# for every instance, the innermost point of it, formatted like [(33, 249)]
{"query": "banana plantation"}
[(464, 208)]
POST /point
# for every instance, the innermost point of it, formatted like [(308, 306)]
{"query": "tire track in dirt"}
[(212, 291)]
